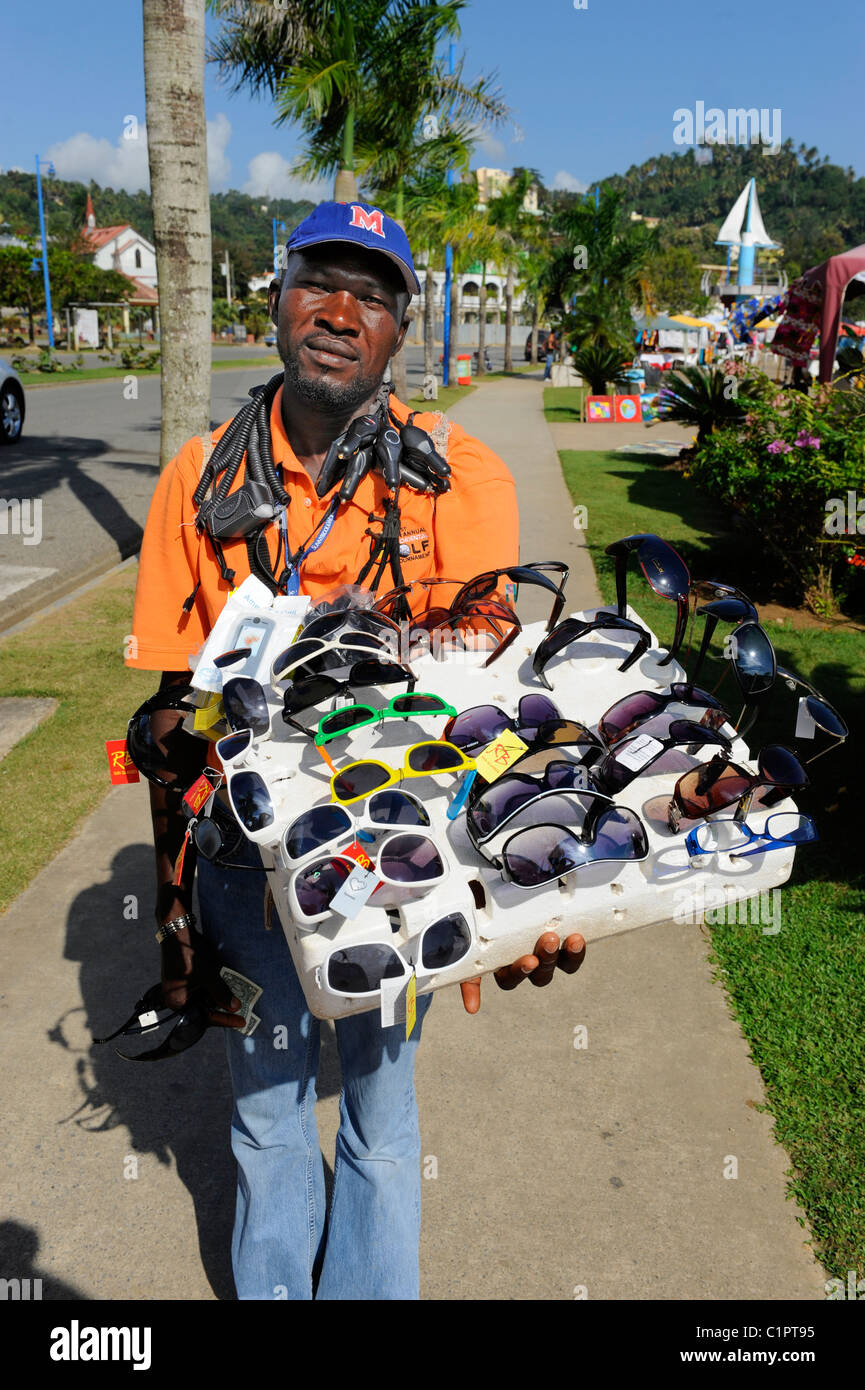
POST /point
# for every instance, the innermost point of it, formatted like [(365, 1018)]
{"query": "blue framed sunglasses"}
[(729, 836)]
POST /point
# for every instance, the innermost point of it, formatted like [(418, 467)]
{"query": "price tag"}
[(805, 726), (639, 751), (198, 793), (410, 1006), (209, 713), (497, 757), (121, 768), (360, 884)]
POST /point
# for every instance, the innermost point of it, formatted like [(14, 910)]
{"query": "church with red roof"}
[(123, 249)]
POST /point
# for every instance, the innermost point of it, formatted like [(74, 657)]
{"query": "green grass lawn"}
[(58, 774), (66, 378), (564, 404), (798, 996)]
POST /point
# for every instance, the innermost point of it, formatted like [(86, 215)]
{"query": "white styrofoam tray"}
[(597, 901)]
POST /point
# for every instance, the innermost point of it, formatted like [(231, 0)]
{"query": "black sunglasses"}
[(634, 755), (150, 1013), (573, 629), (666, 572), (159, 746), (484, 585)]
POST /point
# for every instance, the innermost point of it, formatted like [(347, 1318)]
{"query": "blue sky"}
[(593, 90)]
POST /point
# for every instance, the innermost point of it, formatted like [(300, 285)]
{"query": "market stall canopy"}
[(656, 323), (820, 291), (690, 322)]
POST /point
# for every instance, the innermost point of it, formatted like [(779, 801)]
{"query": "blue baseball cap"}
[(358, 222)]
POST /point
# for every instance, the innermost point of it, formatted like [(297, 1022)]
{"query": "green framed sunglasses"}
[(345, 721)]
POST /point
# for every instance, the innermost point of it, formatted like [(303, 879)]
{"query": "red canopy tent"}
[(820, 292)]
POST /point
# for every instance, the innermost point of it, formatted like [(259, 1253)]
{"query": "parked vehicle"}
[(11, 404), (542, 338)]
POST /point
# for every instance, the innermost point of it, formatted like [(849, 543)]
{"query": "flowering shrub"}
[(778, 469)]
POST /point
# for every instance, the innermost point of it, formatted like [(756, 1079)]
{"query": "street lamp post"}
[(49, 169)]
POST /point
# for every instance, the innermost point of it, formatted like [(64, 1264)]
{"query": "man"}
[(340, 311), (550, 351)]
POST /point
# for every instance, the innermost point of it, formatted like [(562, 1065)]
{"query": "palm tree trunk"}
[(429, 316), (177, 153), (534, 354), (509, 319), (397, 363), (345, 183), (482, 318)]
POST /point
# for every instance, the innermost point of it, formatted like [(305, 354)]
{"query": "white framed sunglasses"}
[(357, 970)]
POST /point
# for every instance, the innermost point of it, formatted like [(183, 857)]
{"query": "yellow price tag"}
[(410, 1005), (209, 713), (497, 757)]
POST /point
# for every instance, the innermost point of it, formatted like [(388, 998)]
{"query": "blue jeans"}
[(548, 369), (370, 1248)]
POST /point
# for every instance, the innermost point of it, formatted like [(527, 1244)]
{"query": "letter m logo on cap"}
[(370, 221)]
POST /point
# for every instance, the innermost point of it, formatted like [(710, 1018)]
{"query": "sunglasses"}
[(483, 585), (322, 825), (360, 620), (162, 750), (491, 808), (252, 804), (320, 653), (217, 836), (541, 854), (427, 759), (720, 783), (574, 629), (151, 1013), (824, 715), (666, 572), (245, 706), (635, 754), (403, 860), (632, 710), (728, 836), (360, 969), (313, 690), (723, 603), (474, 728), (345, 721), (752, 658), (484, 615)]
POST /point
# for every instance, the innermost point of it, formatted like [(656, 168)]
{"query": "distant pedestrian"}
[(550, 351)]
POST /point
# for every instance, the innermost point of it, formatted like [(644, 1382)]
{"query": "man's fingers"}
[(224, 1020), (509, 976), (547, 952), (572, 954), (471, 992)]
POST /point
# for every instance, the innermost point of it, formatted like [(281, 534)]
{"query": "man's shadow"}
[(179, 1106)]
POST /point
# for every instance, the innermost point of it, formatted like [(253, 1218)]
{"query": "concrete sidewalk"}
[(557, 1168)]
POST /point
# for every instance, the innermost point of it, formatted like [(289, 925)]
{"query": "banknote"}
[(243, 989)]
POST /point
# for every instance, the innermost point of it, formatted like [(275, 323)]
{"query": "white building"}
[(123, 249)]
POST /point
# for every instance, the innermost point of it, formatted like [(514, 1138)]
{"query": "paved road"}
[(84, 471)]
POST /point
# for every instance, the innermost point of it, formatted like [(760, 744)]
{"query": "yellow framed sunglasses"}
[(427, 759)]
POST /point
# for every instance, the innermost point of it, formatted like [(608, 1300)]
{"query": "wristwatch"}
[(174, 926)]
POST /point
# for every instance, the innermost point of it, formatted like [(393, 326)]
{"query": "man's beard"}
[(326, 392)]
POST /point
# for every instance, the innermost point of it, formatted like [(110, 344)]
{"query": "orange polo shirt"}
[(472, 528)]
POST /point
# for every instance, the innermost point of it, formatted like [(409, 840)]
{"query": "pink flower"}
[(804, 440), (778, 446)]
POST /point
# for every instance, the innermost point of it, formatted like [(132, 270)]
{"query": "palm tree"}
[(177, 153), (515, 229), (599, 363), (700, 396)]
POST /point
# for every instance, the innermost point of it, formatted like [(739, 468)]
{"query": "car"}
[(543, 334), (270, 339), (11, 404)]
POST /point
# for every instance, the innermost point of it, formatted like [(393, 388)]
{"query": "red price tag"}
[(121, 768), (198, 794)]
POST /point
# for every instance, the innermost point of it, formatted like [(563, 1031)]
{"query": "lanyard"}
[(294, 562)]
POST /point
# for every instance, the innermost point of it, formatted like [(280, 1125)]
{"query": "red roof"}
[(98, 236), (144, 294)]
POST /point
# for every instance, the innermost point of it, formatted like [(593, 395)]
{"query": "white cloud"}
[(124, 164), (270, 176), (567, 183), (218, 163)]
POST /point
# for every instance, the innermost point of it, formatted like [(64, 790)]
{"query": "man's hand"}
[(193, 965), (539, 968)]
